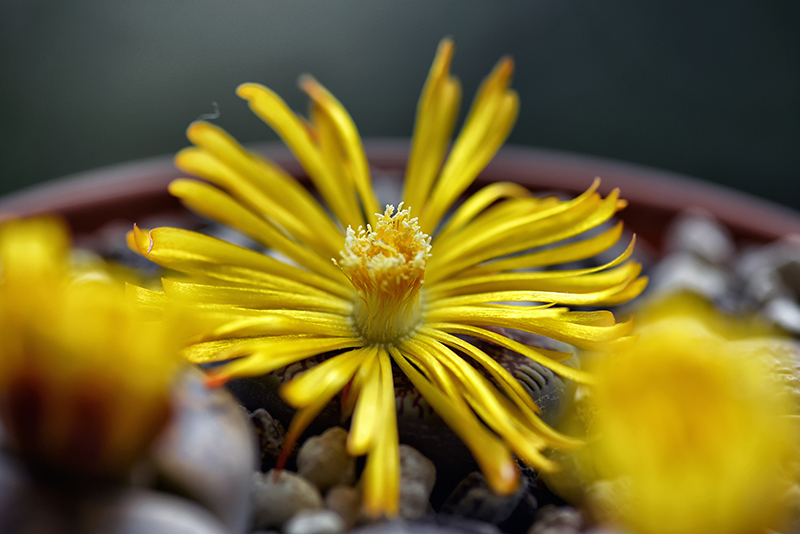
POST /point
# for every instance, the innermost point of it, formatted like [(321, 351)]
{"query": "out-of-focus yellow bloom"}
[(84, 377), (404, 285), (698, 428)]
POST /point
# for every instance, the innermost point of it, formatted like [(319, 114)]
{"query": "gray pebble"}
[(439, 525), (345, 501), (684, 271), (697, 232), (314, 522), (140, 511), (557, 520), (271, 434), (417, 477), (783, 312), (208, 450), (771, 271), (276, 498), (323, 460), (473, 499)]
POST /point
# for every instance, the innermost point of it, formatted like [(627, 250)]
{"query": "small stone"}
[(271, 434), (345, 501), (277, 497), (473, 499), (699, 233), (207, 451), (784, 312), (417, 477), (323, 460), (314, 522), (435, 525), (557, 520), (771, 271), (139, 510), (683, 271)]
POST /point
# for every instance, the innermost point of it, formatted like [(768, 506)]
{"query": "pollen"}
[(386, 265)]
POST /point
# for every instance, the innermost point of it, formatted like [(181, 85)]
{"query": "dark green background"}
[(709, 89)]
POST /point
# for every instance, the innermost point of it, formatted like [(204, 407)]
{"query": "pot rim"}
[(128, 190)]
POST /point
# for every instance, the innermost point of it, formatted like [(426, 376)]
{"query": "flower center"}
[(387, 267)]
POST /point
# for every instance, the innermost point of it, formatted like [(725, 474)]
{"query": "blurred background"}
[(709, 89)]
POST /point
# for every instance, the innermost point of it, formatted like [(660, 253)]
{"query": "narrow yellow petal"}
[(436, 113), (494, 233), (265, 354), (210, 202), (568, 298), (366, 420), (562, 327), (492, 456), (331, 375), (579, 250), (477, 203), (545, 232), (350, 140), (574, 280), (486, 399), (257, 183), (274, 111), (381, 477), (533, 353), (154, 301), (527, 436), (487, 125), (254, 297), (205, 256), (510, 385)]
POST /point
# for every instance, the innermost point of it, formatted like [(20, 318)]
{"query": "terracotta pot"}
[(136, 190)]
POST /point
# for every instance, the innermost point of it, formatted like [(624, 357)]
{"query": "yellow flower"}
[(83, 377), (403, 286), (696, 426)]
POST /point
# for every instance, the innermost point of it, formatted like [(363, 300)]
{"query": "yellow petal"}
[(267, 354), (205, 256), (492, 456), (350, 142), (259, 184), (568, 298), (214, 204), (533, 353), (477, 203), (436, 113), (254, 297), (274, 111), (574, 280), (579, 250), (487, 125), (332, 374), (381, 477), (366, 419)]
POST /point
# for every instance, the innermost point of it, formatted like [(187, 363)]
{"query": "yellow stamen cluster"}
[(387, 268)]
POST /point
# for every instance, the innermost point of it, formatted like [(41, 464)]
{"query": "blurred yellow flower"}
[(404, 285), (697, 426), (84, 378)]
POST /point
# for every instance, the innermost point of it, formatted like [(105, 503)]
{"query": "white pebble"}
[(314, 522), (275, 500)]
